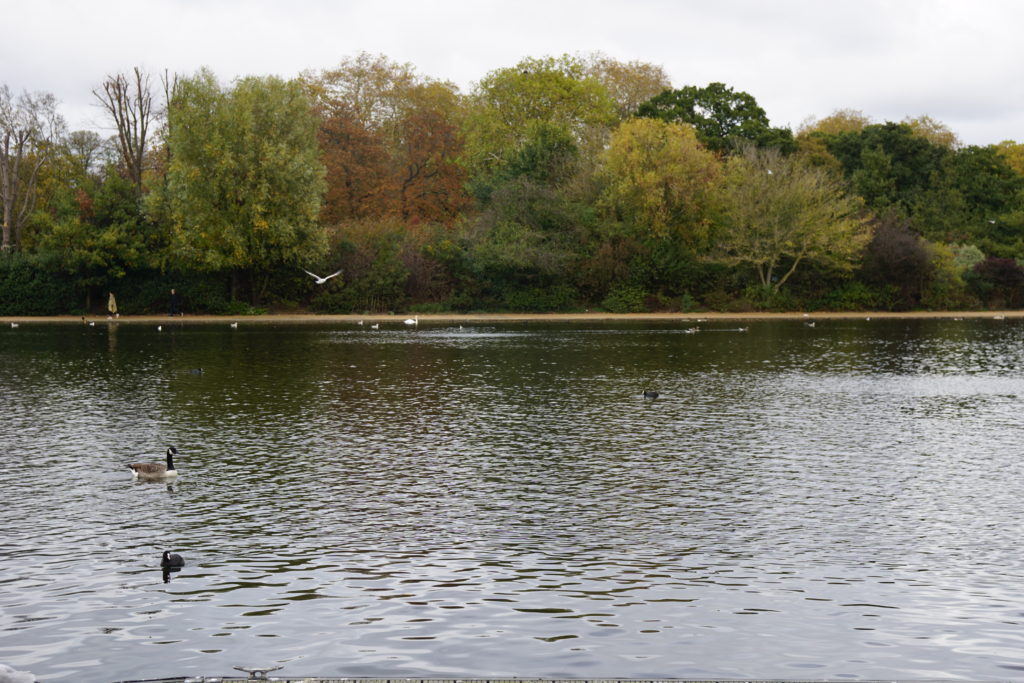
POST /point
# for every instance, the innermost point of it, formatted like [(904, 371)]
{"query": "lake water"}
[(840, 502)]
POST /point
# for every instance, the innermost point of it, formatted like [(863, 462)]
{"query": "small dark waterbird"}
[(171, 560), (648, 393), (154, 470)]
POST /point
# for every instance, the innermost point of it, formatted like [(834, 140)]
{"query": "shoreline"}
[(508, 317)]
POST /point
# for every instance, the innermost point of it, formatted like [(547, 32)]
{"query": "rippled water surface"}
[(843, 501)]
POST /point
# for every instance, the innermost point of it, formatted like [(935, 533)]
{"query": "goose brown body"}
[(153, 470)]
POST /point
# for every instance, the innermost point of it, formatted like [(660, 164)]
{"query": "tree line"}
[(557, 184)]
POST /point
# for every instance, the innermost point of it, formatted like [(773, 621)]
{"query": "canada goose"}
[(412, 321), (321, 280), (170, 559), (152, 470), (650, 394)]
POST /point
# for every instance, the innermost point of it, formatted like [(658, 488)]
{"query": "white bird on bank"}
[(321, 280)]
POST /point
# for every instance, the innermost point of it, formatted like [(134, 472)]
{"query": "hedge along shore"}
[(504, 317)]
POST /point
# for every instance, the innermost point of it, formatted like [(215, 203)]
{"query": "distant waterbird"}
[(14, 324), (648, 393), (412, 321), (321, 280), (154, 470), (234, 326)]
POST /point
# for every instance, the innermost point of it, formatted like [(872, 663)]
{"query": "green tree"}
[(889, 165), (779, 212), (555, 92), (245, 182), (724, 118), (104, 240)]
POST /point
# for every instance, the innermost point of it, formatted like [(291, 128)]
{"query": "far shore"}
[(505, 317)]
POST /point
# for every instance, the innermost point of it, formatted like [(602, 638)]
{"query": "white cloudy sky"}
[(958, 61)]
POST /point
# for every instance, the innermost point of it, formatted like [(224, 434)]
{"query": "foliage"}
[(887, 164), (540, 190), (897, 258), (28, 286), (660, 179), (370, 255), (946, 288), (391, 141), (933, 131), (1013, 154), (245, 182), (555, 298), (558, 92), (779, 211), (30, 129), (854, 295), (629, 84), (625, 299), (999, 282), (723, 118), (839, 121)]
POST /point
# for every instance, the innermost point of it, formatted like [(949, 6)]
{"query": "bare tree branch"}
[(130, 106)]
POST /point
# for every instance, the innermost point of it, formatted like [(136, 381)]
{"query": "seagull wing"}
[(312, 275), (337, 272)]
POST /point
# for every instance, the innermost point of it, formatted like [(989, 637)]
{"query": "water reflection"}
[(825, 502)]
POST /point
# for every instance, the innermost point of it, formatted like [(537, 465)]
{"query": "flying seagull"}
[(321, 280)]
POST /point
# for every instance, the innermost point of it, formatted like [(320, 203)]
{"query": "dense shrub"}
[(28, 288), (999, 282), (625, 299), (558, 298)]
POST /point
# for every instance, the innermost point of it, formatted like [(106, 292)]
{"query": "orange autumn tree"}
[(356, 160), (390, 140)]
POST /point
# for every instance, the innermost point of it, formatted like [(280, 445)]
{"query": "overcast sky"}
[(960, 62)]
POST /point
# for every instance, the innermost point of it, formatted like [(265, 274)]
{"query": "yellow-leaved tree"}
[(660, 179), (779, 211)]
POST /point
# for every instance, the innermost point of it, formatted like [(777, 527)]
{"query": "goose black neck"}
[(170, 462)]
